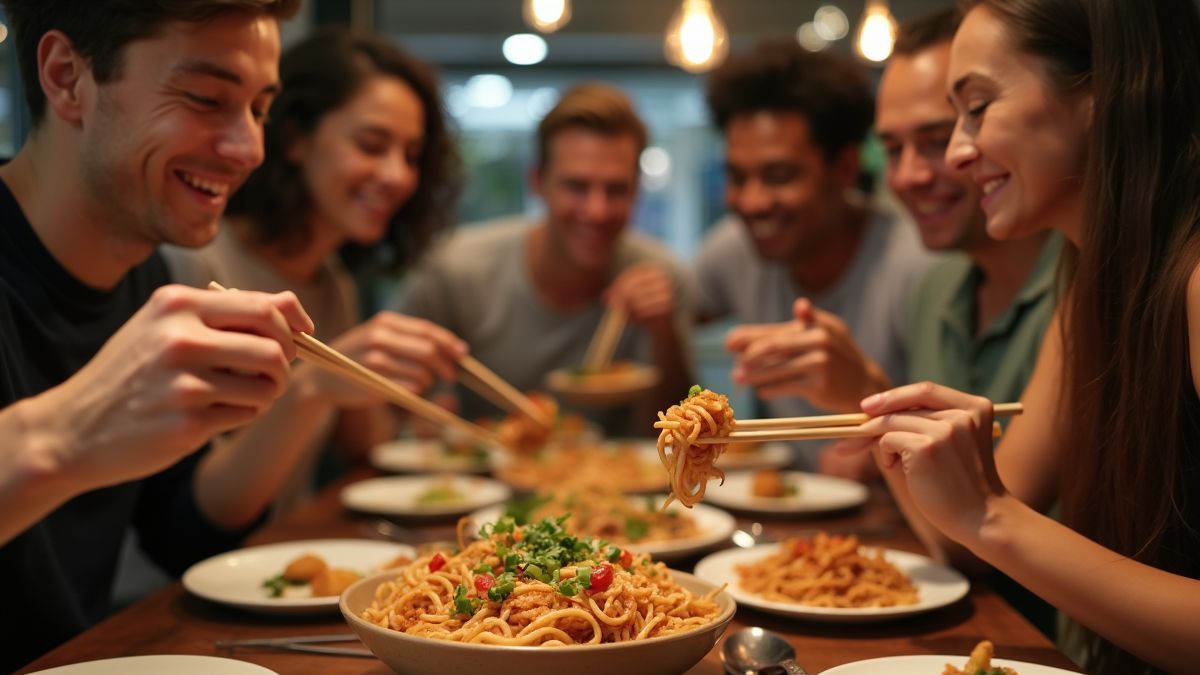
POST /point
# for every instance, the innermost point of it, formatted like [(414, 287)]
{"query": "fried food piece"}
[(398, 561), (332, 581), (304, 568), (768, 483)]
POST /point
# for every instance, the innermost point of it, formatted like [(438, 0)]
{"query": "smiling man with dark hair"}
[(147, 117)]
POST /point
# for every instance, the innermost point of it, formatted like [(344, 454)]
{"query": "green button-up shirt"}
[(997, 362)]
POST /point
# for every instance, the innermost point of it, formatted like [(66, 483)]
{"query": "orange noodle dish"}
[(606, 513), (980, 663), (538, 586), (703, 414), (829, 571)]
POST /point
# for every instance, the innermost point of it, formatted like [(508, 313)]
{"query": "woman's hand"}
[(936, 443), (413, 352)]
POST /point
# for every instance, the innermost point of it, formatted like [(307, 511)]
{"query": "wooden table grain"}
[(172, 621)]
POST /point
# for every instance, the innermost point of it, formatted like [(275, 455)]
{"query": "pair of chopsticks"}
[(819, 427), (600, 350), (323, 356), (485, 382), (303, 643)]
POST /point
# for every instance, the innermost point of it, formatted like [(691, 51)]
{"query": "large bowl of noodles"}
[(414, 655)]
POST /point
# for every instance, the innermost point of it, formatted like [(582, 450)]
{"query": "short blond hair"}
[(594, 106)]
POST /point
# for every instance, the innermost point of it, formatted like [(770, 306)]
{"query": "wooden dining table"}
[(171, 621)]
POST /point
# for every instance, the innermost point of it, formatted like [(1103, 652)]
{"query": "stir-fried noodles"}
[(827, 572), (704, 414), (538, 585)]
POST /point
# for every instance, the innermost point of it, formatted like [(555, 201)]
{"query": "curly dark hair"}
[(830, 90), (319, 75), (100, 29)]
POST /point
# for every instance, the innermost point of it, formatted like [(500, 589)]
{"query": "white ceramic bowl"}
[(602, 391), (411, 655)]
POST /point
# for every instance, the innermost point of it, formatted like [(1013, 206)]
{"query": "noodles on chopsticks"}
[(538, 586), (703, 413)]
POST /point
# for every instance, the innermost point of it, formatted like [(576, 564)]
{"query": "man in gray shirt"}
[(793, 122), (527, 294)]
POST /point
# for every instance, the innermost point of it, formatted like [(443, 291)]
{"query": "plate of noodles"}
[(832, 579), (980, 662), (772, 492), (296, 577), (430, 455), (617, 384), (634, 522), (426, 496), (621, 466), (176, 664), (537, 599)]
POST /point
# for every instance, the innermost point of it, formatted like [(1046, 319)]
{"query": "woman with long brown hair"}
[(1082, 116)]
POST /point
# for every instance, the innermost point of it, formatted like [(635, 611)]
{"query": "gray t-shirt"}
[(477, 285), (731, 280)]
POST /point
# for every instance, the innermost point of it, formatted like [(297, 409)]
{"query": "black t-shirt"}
[(57, 576)]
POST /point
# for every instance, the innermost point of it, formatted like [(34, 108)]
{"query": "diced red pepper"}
[(602, 578), (437, 562), (483, 582), (626, 558)]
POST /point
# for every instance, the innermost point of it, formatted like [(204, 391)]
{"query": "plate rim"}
[(376, 458), (920, 658), (345, 495), (281, 605), (209, 659), (762, 506), (830, 614)]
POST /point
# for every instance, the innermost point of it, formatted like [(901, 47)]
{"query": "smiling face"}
[(1022, 142), (588, 183), (914, 120), (362, 162), (780, 182), (178, 130)]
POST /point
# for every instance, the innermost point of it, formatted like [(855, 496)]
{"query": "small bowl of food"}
[(617, 384)]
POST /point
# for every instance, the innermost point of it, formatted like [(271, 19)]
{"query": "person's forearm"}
[(1152, 614), (242, 473), (32, 481)]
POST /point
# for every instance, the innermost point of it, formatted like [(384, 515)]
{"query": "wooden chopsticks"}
[(819, 427), (325, 357), (485, 382), (604, 343)]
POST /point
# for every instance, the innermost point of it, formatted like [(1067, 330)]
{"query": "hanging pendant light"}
[(547, 16), (876, 33), (696, 39)]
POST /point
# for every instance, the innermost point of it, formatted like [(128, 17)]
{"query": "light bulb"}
[(876, 32), (547, 16), (696, 39)]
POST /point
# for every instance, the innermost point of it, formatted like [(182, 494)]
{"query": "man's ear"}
[(63, 74)]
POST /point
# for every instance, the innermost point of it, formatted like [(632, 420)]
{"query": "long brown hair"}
[(1132, 415), (319, 75)]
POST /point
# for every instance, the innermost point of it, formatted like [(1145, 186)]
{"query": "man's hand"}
[(813, 356)]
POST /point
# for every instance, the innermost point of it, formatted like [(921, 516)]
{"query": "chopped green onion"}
[(696, 389)]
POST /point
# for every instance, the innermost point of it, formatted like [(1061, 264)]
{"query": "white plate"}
[(415, 455), (715, 527), (399, 495), (937, 586), (765, 456), (235, 578), (159, 664), (932, 665), (815, 493)]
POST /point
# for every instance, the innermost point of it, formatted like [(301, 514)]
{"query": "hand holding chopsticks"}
[(814, 428), (604, 343), (325, 357)]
